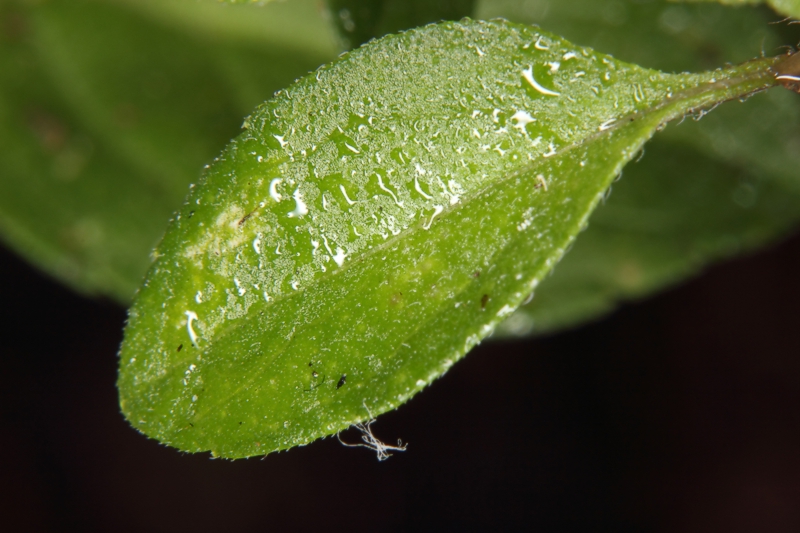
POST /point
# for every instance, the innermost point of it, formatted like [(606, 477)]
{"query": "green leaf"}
[(750, 147), (359, 21), (102, 135), (673, 212), (294, 26), (789, 8), (376, 221)]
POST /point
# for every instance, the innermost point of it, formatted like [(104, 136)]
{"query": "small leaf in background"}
[(790, 8), (704, 190), (359, 21), (109, 112), (376, 221)]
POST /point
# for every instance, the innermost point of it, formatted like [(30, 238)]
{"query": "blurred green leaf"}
[(109, 109), (786, 7), (376, 221), (293, 26), (359, 21), (733, 149)]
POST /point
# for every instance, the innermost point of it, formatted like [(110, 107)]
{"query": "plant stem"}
[(788, 72)]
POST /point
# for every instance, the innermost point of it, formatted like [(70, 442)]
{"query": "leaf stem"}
[(787, 72)]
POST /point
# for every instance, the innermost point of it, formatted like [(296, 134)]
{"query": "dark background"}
[(681, 413)]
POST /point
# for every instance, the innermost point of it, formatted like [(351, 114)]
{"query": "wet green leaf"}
[(100, 136), (750, 145), (376, 221)]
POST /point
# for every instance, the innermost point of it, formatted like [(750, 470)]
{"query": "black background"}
[(681, 413)]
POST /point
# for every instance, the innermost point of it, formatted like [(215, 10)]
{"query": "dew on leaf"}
[(438, 183)]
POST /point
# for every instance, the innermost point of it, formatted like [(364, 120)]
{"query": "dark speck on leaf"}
[(245, 218), (476, 274), (342, 381), (484, 301), (180, 347)]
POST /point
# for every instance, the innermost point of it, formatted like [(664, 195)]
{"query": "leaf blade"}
[(393, 312)]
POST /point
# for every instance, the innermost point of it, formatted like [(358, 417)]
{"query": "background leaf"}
[(359, 21), (377, 220), (704, 190), (108, 111), (786, 7)]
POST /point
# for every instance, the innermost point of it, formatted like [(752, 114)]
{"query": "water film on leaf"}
[(378, 219)]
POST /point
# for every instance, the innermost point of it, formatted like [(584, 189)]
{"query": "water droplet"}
[(339, 257), (344, 192), (273, 189), (382, 186), (301, 208), (191, 316), (528, 75), (523, 118), (437, 210)]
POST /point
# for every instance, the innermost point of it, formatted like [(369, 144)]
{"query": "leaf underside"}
[(375, 221)]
